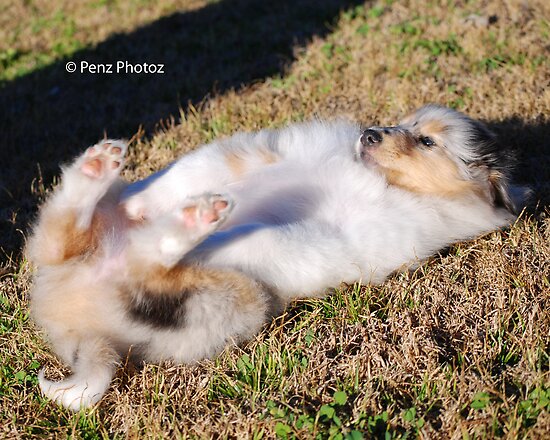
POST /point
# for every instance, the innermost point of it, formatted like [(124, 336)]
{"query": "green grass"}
[(458, 348)]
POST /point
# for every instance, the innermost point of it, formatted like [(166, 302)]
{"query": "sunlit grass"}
[(457, 348)]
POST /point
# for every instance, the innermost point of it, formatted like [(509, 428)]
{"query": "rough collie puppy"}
[(150, 266)]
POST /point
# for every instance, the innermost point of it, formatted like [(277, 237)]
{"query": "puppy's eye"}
[(427, 141)]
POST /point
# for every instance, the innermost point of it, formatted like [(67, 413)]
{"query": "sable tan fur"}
[(430, 170), (421, 171), (240, 161)]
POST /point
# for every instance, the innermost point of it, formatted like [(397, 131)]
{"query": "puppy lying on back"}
[(150, 267), (324, 202)]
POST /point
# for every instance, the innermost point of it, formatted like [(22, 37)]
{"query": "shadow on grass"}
[(531, 141), (48, 116)]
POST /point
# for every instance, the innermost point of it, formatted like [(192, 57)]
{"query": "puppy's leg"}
[(164, 241), (223, 308), (87, 180), (207, 169), (66, 225), (93, 371)]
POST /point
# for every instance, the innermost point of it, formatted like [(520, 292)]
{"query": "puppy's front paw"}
[(103, 160), (191, 224), (167, 239), (204, 214), (136, 208)]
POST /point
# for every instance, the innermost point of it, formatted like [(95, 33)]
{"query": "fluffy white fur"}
[(319, 215), (314, 205)]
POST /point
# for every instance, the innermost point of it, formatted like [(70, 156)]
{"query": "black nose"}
[(370, 137)]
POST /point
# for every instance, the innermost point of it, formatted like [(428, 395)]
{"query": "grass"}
[(457, 349)]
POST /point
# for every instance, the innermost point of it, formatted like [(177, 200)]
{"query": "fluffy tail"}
[(93, 371)]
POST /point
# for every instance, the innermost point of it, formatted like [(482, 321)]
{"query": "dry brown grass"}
[(458, 349)]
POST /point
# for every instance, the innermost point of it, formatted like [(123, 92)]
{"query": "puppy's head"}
[(439, 151)]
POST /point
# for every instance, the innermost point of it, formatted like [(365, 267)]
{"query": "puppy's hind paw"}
[(103, 160)]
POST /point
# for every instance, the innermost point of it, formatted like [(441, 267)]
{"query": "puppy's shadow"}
[(48, 116), (531, 142)]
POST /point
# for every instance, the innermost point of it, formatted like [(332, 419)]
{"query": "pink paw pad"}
[(103, 157), (92, 168), (208, 210)]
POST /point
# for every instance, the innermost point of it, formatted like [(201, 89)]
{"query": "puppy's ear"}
[(494, 185), (500, 191), (496, 163)]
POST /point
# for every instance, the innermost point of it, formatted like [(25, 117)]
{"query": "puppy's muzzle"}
[(369, 141), (370, 138)]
